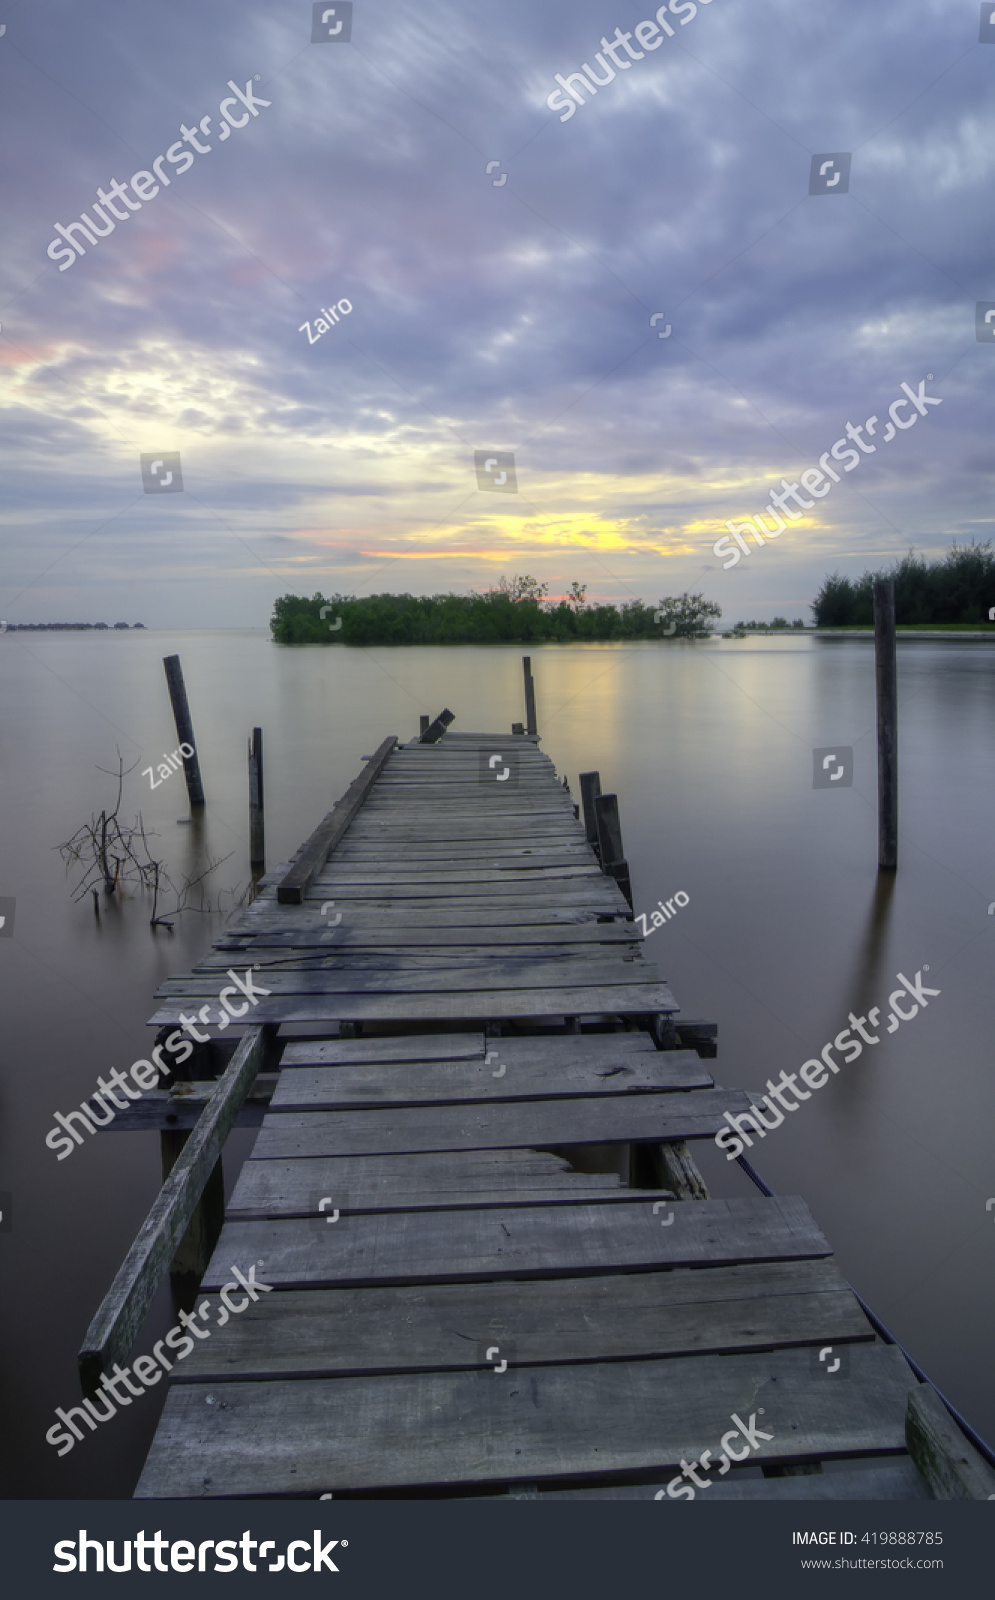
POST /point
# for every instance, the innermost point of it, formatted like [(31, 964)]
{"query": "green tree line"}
[(959, 587), (516, 612)]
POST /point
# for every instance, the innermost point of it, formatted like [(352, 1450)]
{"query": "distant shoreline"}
[(70, 627)]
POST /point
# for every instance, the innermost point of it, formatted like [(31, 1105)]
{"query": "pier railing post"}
[(530, 697), (184, 728), (613, 860), (257, 823), (886, 674), (590, 788)]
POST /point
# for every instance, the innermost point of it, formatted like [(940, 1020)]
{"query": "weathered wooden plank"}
[(331, 956), (410, 1182), (523, 1242), (412, 854), (450, 978), (445, 1327), (597, 1049), (573, 961), (433, 830), (437, 914), (596, 891), (122, 1310), (365, 936), (387, 877), (393, 1048), (461, 1007), (433, 1182), (359, 954), (500, 1126), (881, 1478), (471, 799), (324, 838), (948, 1462), (315, 1436), (500, 1078)]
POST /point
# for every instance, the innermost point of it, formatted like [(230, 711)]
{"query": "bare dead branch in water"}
[(117, 855)]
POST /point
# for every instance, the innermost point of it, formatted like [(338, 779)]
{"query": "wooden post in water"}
[(257, 822), (613, 860), (886, 673), (423, 722), (590, 788), (530, 697), (184, 727)]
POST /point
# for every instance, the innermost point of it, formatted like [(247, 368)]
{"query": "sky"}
[(510, 268)]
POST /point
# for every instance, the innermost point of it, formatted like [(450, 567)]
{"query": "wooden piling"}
[(433, 733), (886, 674), (530, 697), (257, 820), (423, 722), (590, 788), (184, 728), (613, 860)]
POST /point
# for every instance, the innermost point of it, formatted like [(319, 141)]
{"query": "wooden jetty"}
[(495, 1268)]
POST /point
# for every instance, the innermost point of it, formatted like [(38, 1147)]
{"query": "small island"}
[(956, 591), (516, 612)]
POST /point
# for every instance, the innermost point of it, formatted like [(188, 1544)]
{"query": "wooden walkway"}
[(526, 1289)]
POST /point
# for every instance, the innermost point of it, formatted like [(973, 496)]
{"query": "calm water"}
[(710, 750)]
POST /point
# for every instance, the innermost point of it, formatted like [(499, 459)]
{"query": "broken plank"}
[(409, 1182), (430, 1182)]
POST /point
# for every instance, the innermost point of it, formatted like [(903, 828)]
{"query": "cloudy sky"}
[(497, 307)]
